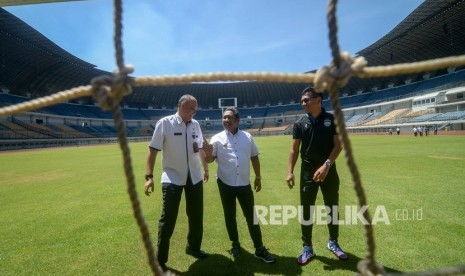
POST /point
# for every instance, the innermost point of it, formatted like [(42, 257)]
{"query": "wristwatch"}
[(328, 163), (148, 176)]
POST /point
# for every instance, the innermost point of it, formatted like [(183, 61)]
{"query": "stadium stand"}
[(69, 132), (369, 104), (388, 117), (358, 119)]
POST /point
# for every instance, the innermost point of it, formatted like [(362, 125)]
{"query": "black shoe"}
[(262, 253), (235, 251), (196, 254), (164, 267)]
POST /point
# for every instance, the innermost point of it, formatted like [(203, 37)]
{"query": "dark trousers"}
[(308, 193), (194, 210), (244, 195)]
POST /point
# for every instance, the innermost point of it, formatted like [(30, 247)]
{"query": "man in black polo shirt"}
[(316, 139)]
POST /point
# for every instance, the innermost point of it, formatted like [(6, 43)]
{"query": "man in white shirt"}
[(179, 138), (233, 149)]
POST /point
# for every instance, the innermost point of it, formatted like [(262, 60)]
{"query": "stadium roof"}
[(435, 29), (27, 2), (31, 64)]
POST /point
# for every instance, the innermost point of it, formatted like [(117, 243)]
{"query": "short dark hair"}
[(311, 90), (233, 110), (186, 98)]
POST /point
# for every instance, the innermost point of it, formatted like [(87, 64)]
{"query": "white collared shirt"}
[(233, 153), (175, 140)]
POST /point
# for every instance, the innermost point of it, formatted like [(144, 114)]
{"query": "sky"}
[(178, 37)]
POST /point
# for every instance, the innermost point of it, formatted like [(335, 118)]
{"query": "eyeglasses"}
[(306, 100)]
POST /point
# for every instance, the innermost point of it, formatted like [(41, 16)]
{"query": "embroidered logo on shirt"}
[(327, 122)]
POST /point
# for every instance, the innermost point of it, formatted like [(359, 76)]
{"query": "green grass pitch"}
[(66, 211)]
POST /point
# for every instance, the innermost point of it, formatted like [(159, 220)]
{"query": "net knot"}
[(367, 269), (109, 90), (327, 76)]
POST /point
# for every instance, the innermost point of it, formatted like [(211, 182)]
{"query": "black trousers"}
[(244, 195), (194, 210), (308, 193)]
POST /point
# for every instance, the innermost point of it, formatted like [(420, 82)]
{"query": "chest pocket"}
[(177, 134)]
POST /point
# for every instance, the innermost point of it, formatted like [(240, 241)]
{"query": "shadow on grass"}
[(248, 264), (245, 264), (334, 264)]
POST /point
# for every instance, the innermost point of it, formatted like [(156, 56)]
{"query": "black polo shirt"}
[(316, 137)]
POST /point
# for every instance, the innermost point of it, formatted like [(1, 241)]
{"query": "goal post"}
[(227, 102)]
